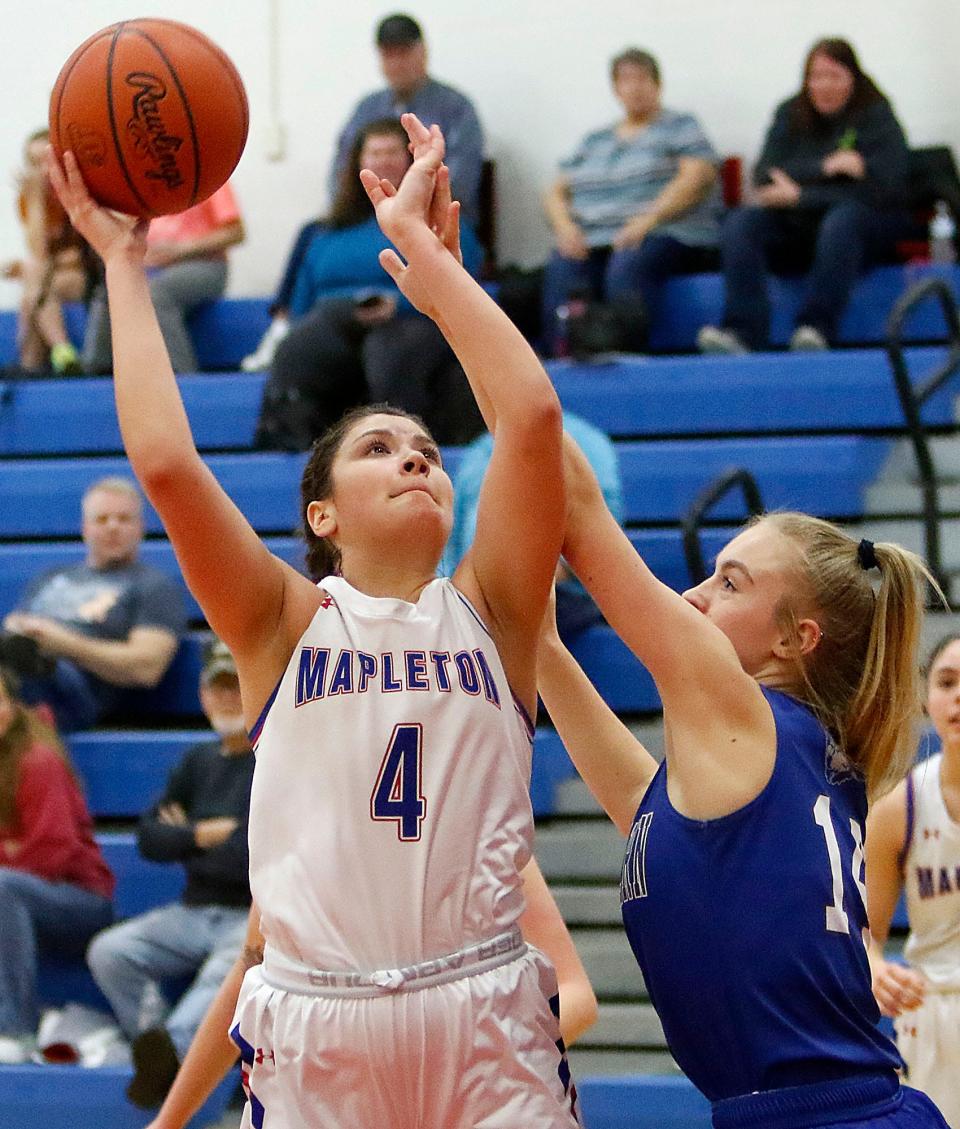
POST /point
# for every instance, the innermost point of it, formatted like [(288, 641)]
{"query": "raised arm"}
[(896, 987), (721, 733), (614, 765), (509, 569), (213, 541)]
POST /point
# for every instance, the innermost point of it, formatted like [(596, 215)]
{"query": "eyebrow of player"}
[(733, 563), (420, 437)]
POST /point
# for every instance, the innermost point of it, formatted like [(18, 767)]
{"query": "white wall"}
[(537, 70)]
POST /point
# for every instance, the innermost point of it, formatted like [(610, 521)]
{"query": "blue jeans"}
[(635, 274), (130, 960), (69, 692), (37, 915), (837, 245)]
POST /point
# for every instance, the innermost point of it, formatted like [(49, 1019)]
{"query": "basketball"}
[(155, 113)]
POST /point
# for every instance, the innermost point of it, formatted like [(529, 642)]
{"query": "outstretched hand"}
[(423, 202), (107, 232)]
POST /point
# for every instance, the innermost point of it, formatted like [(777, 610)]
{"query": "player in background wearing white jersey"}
[(480, 1046), (913, 842)]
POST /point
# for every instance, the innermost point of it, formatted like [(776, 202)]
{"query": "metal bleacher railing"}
[(695, 516), (913, 394)]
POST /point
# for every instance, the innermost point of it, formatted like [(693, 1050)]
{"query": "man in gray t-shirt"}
[(403, 60), (82, 633)]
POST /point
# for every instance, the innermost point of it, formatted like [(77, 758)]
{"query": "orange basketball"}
[(155, 114)]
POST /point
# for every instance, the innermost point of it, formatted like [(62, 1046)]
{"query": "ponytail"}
[(862, 679)]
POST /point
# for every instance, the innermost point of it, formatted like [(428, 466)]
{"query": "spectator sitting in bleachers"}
[(635, 203), (356, 339), (403, 60), (575, 608), (201, 821), (830, 195), (59, 267), (56, 891), (81, 633), (187, 258)]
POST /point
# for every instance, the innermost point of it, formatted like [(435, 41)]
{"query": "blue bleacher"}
[(692, 300), (637, 395), (826, 474), (626, 396), (639, 1101), (226, 330), (49, 416), (70, 1097)]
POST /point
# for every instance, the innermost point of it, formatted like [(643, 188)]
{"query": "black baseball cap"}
[(398, 31)]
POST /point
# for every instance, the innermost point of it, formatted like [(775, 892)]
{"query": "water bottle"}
[(942, 231), (574, 308)]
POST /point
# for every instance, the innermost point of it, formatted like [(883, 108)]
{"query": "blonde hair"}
[(862, 679), (113, 484)]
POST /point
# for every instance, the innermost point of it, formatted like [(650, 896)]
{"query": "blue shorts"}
[(876, 1101)]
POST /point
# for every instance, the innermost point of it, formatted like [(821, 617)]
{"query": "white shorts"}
[(479, 1051), (929, 1040)]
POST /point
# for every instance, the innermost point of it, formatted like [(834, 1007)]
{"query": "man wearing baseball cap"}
[(403, 61), (201, 822)]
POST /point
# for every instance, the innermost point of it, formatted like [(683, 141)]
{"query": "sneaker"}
[(808, 339), (16, 1049), (155, 1065), (262, 358), (715, 339), (65, 360)]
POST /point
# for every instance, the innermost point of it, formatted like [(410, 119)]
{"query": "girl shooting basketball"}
[(389, 709), (788, 685)]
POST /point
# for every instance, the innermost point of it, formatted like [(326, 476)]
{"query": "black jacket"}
[(874, 132)]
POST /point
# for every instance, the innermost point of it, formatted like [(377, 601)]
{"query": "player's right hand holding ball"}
[(108, 233)]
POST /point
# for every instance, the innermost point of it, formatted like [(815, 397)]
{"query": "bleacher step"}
[(901, 462), (573, 850), (588, 905), (626, 1025), (609, 961), (589, 1062)]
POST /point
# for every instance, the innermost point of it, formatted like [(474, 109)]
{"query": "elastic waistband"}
[(821, 1103), (282, 971)]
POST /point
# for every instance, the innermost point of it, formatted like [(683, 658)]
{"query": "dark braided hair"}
[(322, 555)]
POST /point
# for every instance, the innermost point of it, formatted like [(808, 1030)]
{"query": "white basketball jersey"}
[(932, 879), (390, 811)]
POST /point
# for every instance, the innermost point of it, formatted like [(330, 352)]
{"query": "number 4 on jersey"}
[(398, 794)]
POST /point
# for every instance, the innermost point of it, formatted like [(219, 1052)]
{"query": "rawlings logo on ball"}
[(150, 134)]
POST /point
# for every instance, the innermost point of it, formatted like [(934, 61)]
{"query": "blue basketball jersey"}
[(749, 928)]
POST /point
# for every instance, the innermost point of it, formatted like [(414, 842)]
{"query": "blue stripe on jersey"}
[(524, 717), (247, 1054), (521, 709), (258, 725), (473, 611)]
